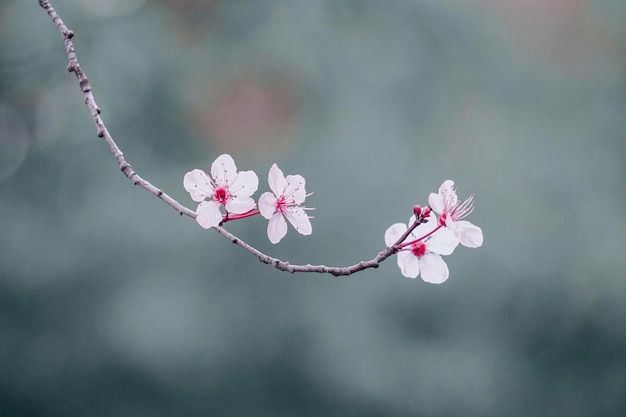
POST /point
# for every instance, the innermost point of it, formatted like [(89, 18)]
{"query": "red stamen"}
[(418, 249), (221, 195), (281, 204)]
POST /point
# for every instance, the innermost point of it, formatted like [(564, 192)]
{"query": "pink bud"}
[(417, 210)]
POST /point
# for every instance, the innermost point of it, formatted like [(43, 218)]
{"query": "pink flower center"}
[(456, 211), (418, 249), (221, 195), (281, 204)]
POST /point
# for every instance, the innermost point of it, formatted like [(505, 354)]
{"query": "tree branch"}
[(127, 170)]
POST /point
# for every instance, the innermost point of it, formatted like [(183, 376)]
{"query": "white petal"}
[(240, 205), (450, 223), (276, 228), (208, 214), (446, 186), (425, 228), (448, 193), (276, 180), (294, 189), (409, 264), (435, 201), (198, 184), (447, 190), (267, 204), (434, 269), (299, 220), (470, 235), (393, 233), (245, 184), (443, 242), (224, 170)]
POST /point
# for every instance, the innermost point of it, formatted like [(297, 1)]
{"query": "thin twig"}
[(127, 170)]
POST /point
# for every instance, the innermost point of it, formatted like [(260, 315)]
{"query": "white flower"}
[(226, 187), (423, 257), (288, 194), (446, 205)]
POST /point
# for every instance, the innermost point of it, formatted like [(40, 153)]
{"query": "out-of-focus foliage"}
[(111, 304)]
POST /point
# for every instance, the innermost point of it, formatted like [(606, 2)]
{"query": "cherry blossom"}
[(226, 187), (284, 202), (446, 205), (422, 255)]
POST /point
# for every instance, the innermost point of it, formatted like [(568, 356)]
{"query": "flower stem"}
[(402, 245), (228, 217)]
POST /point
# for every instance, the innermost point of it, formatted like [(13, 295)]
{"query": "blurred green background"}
[(113, 305)]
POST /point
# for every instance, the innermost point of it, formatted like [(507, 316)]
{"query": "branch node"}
[(127, 170), (84, 85)]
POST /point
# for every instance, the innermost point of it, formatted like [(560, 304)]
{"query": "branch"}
[(127, 170)]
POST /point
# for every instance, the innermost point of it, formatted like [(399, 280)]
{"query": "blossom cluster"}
[(421, 245), (231, 189), (433, 231)]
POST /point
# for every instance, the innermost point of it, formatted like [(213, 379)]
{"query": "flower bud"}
[(417, 210)]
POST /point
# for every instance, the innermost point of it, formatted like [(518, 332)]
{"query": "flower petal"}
[(449, 194), (425, 228), (434, 269), (267, 205), (409, 264), (443, 242), (198, 184), (276, 228), (450, 223), (294, 189), (208, 214), (245, 184), (240, 205), (393, 233), (224, 170), (276, 180), (470, 235), (445, 199), (299, 220), (436, 203)]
